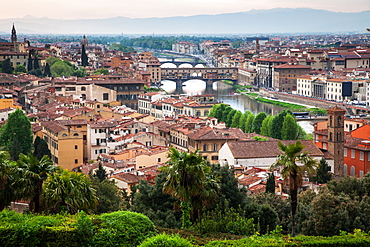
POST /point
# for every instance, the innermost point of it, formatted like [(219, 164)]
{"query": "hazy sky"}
[(84, 9)]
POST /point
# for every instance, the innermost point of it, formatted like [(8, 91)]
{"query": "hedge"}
[(307, 241), (120, 228)]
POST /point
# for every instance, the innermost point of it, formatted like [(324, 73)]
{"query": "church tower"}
[(84, 42), (14, 34), (336, 138)]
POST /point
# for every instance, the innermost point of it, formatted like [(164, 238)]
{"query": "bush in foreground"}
[(120, 228), (164, 240)]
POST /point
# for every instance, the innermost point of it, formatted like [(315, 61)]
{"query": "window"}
[(361, 174), (214, 157), (214, 147), (353, 170), (79, 126), (345, 169), (83, 88), (345, 152), (361, 155), (324, 146), (76, 161), (159, 159), (75, 134), (205, 147), (70, 88), (105, 96), (353, 154), (76, 146)]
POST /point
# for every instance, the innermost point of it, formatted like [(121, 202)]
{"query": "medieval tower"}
[(336, 138)]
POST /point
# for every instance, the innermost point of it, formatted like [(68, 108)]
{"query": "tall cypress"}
[(84, 60), (36, 63), (47, 71)]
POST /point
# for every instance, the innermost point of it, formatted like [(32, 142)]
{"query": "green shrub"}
[(229, 221), (164, 240), (123, 228)]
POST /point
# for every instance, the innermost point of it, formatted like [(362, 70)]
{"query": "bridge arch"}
[(168, 65), (185, 65)]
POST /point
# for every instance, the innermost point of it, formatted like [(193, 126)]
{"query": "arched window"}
[(331, 121), (83, 88), (331, 136), (75, 134), (64, 135), (339, 120), (345, 169), (353, 171)]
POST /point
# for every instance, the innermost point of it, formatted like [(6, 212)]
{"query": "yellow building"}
[(7, 100), (66, 144)]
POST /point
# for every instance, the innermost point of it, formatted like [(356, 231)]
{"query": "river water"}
[(225, 93)]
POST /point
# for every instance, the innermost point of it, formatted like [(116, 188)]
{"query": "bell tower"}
[(336, 138), (14, 34)]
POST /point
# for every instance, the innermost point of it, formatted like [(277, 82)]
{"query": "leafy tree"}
[(40, 148), (100, 173), (52, 60), (120, 47), (16, 134), (266, 126), (260, 139), (225, 113), (101, 71), (242, 120), (37, 72), (7, 66), (158, 206), (187, 180), (257, 122), (213, 110), (7, 171), (249, 123), (270, 183), (323, 174), (61, 68), (19, 69), (229, 118), (229, 188), (289, 130), (31, 176), (277, 123), (47, 71), (235, 120), (293, 173), (70, 192), (110, 198)]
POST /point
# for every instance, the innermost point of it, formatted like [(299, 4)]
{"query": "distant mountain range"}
[(279, 20)]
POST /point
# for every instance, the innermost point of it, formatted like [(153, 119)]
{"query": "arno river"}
[(225, 93)]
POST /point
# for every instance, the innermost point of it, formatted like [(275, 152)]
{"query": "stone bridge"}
[(209, 75), (192, 60)]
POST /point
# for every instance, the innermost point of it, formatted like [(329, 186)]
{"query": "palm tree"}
[(7, 170), (188, 180), (292, 172), (31, 176), (70, 191)]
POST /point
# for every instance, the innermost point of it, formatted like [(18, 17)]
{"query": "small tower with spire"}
[(84, 42), (14, 34)]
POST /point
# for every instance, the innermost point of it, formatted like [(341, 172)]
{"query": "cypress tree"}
[(277, 123), (47, 71), (29, 64), (323, 174), (84, 59), (270, 184), (7, 66), (266, 125), (230, 116), (40, 148), (242, 120), (36, 63), (100, 173)]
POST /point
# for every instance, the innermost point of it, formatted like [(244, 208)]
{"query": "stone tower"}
[(84, 42), (14, 34), (336, 138)]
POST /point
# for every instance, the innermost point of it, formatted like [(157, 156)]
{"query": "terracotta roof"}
[(54, 126), (263, 149), (291, 66)]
